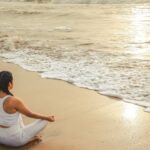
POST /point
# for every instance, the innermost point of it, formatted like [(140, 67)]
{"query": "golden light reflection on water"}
[(139, 27), (130, 112)]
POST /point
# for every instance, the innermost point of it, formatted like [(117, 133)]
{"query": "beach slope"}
[(85, 120)]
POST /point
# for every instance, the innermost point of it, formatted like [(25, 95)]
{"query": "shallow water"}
[(118, 66)]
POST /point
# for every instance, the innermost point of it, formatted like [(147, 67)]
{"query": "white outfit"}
[(17, 134)]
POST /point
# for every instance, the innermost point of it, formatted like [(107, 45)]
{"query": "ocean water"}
[(124, 74), (83, 1), (98, 1)]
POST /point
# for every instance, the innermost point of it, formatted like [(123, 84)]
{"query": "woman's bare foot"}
[(36, 140)]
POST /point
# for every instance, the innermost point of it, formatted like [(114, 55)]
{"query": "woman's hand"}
[(50, 118)]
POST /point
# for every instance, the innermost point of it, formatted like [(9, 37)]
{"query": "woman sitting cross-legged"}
[(12, 130)]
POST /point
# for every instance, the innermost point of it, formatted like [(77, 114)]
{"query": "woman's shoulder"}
[(13, 100)]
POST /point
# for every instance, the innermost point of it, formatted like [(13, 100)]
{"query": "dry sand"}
[(85, 120)]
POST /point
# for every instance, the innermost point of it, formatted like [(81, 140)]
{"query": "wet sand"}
[(85, 120)]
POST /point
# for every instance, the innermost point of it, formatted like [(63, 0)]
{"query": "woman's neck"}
[(2, 94)]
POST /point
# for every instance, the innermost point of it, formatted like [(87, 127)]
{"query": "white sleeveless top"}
[(7, 119)]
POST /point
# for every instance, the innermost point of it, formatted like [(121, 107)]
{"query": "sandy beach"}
[(85, 120)]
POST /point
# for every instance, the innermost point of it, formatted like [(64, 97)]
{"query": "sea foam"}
[(113, 74)]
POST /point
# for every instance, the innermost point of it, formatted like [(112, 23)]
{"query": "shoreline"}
[(82, 116), (85, 120), (52, 32)]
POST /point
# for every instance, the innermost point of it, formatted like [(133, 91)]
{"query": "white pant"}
[(19, 135)]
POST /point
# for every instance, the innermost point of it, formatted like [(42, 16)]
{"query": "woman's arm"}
[(22, 108)]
